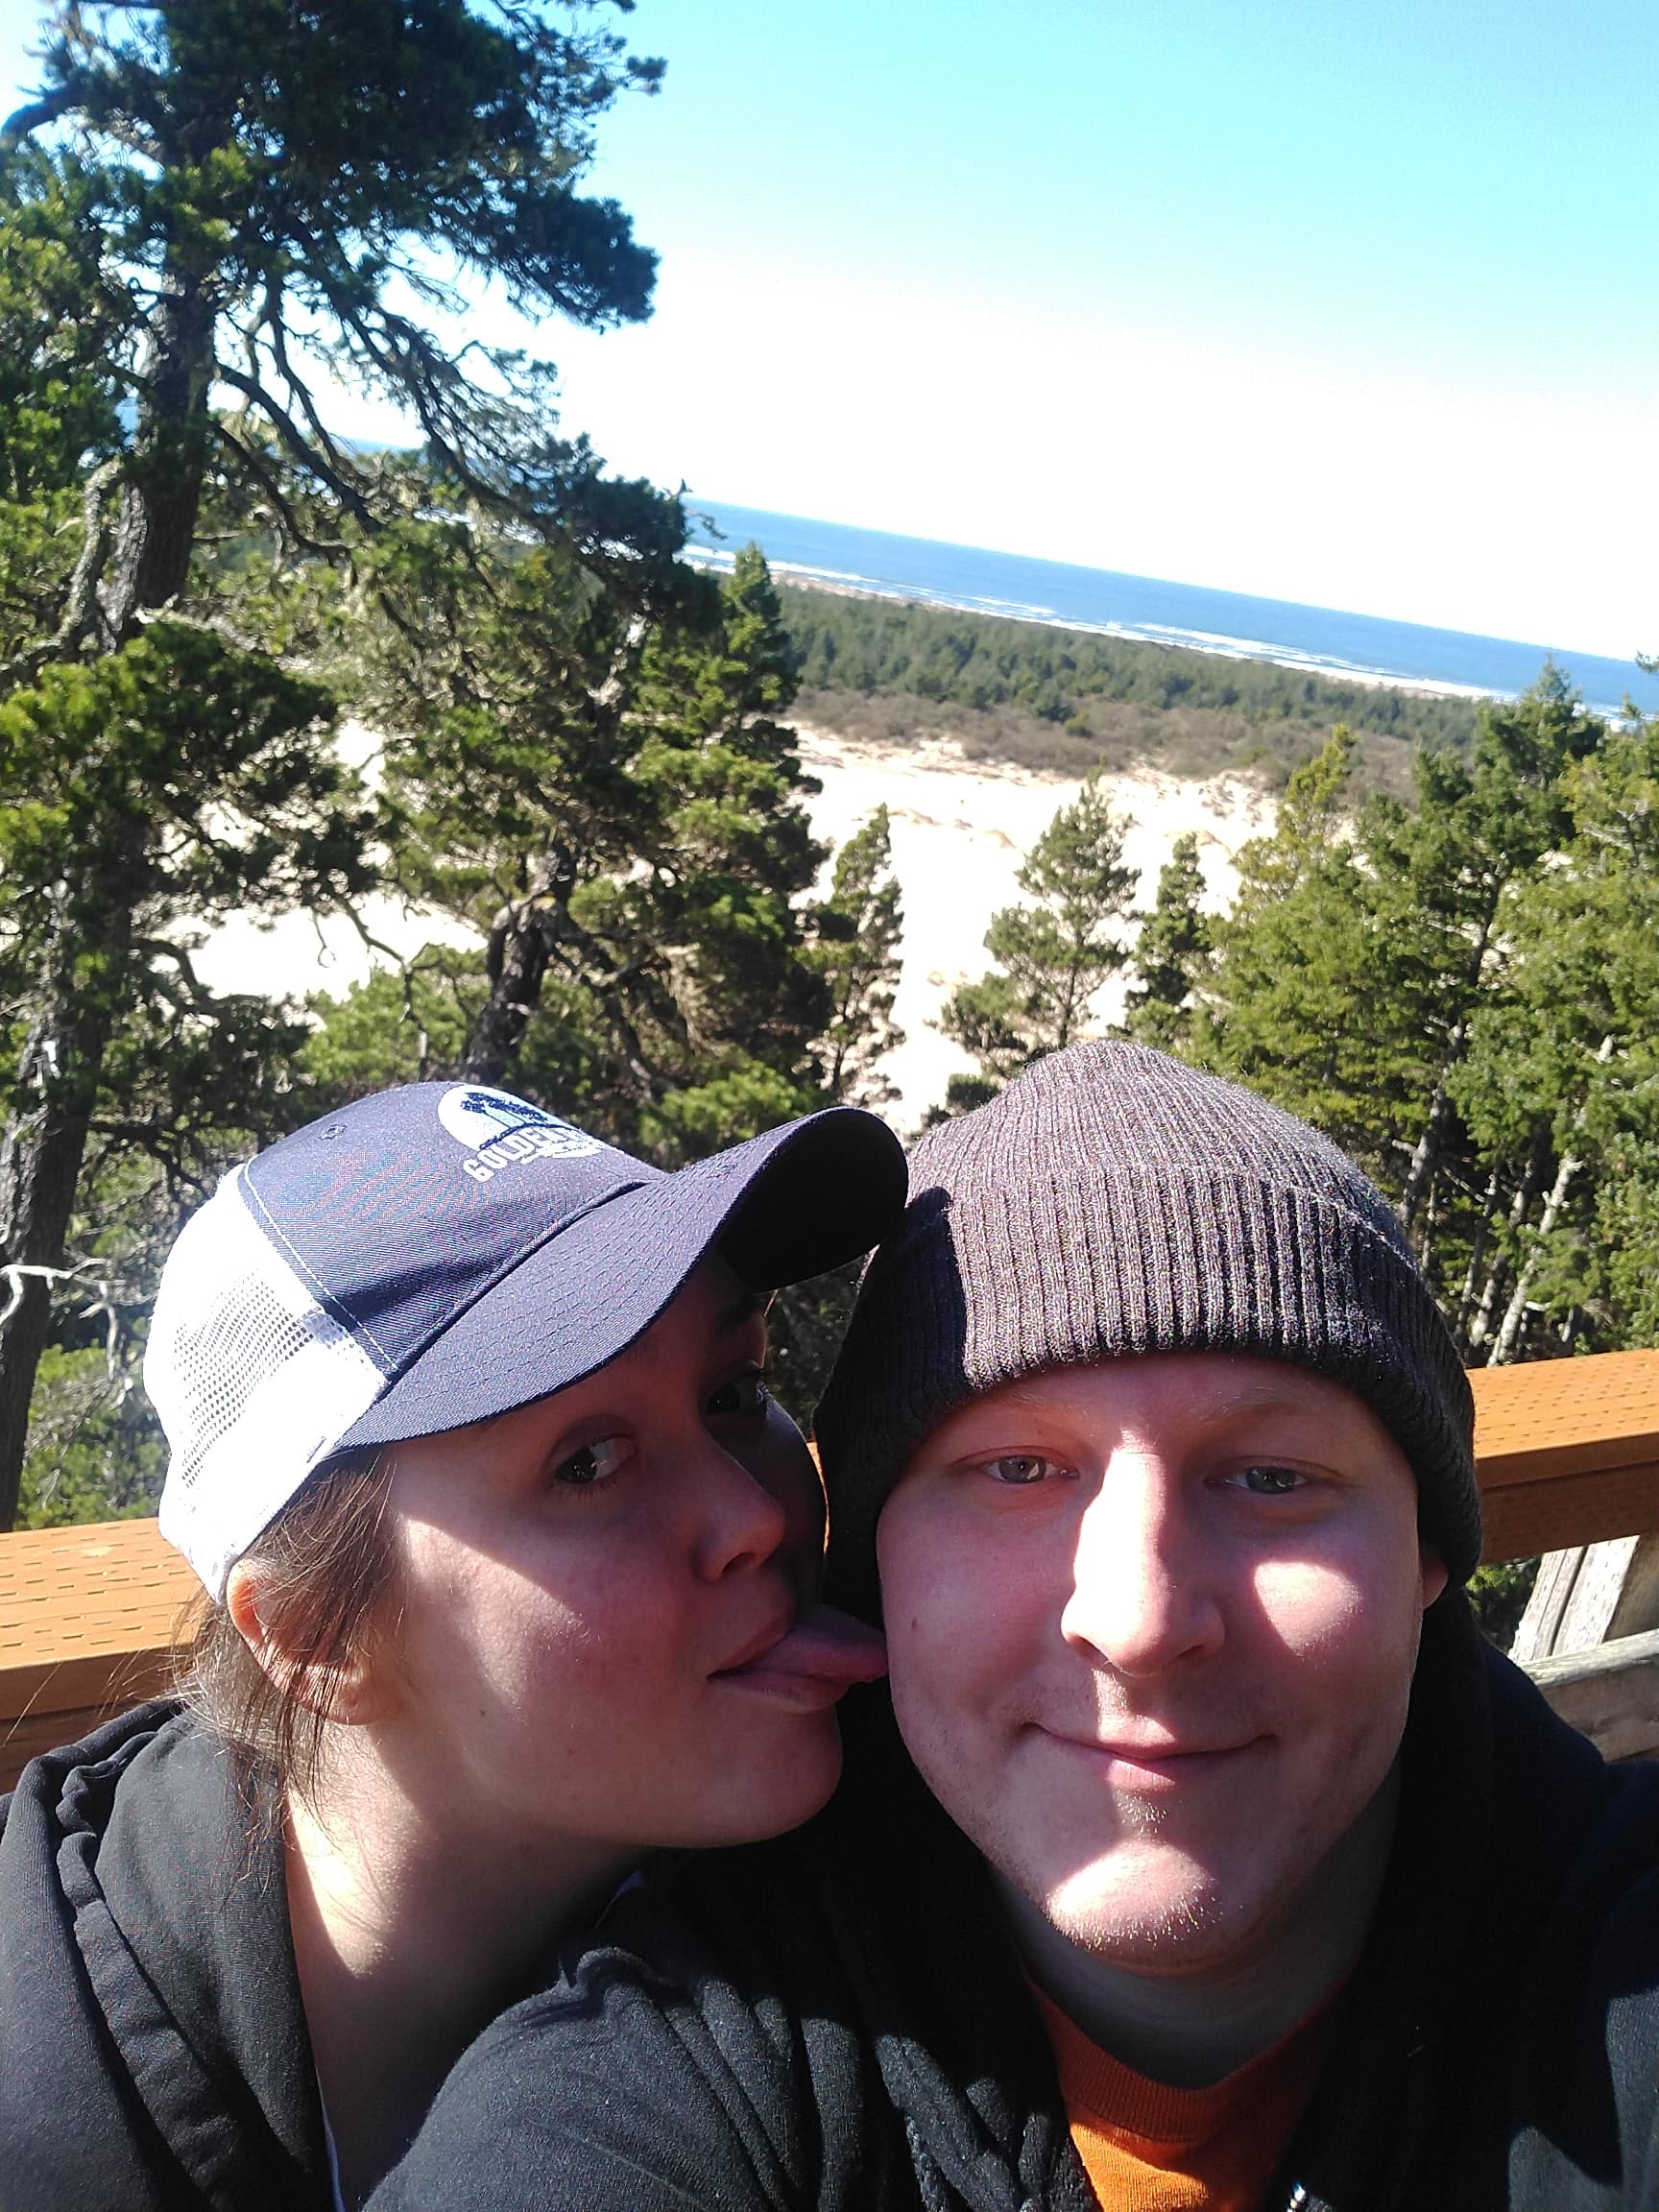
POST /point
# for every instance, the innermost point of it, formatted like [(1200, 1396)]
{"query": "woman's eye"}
[(593, 1463), (743, 1394), (1020, 1468), (1269, 1482)]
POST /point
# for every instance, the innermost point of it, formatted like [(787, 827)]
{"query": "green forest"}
[(1072, 700), (1443, 953)]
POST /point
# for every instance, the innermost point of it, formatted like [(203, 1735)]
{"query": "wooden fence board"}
[(1610, 1693)]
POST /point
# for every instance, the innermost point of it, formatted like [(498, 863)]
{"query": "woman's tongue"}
[(827, 1646)]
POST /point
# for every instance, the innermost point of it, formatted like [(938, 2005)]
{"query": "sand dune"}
[(960, 829)]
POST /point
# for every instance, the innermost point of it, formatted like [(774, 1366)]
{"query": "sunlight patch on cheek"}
[(1310, 1607)]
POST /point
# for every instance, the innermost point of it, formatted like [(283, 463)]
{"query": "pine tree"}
[(273, 179), (1380, 977), (59, 395), (619, 813), (1441, 874), (857, 930), (143, 796), (1293, 960), (731, 859), (212, 199), (1563, 1065), (1174, 943), (1053, 955)]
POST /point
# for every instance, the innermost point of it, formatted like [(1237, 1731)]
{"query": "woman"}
[(509, 1564)]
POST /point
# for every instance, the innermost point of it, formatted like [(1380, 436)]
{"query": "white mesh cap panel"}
[(253, 1380)]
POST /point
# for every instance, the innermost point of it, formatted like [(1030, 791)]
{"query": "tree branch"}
[(271, 323), (131, 134), (163, 948), (400, 960), (294, 438), (300, 538), (46, 109), (82, 612), (401, 354)]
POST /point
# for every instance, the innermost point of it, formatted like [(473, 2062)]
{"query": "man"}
[(1220, 1864)]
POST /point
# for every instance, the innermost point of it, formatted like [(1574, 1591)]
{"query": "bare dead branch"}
[(375, 943), (298, 537), (272, 324)]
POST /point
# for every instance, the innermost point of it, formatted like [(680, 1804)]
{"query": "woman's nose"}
[(1144, 1596), (742, 1522)]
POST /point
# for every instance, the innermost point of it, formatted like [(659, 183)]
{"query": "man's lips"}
[(1157, 1758), (824, 1649)]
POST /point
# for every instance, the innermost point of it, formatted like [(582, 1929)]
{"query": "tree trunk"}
[(162, 498), (518, 963), (43, 1144), (1509, 1337), (1427, 1153), (521, 944), (42, 1150), (1477, 1243), (1481, 1329)]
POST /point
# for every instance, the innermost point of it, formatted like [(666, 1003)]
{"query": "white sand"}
[(302, 953), (959, 831)]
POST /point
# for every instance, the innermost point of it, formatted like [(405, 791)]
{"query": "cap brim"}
[(787, 1204)]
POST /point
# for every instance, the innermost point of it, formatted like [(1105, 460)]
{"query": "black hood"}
[(153, 2045)]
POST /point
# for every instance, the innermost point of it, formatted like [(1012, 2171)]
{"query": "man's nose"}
[(1144, 1596)]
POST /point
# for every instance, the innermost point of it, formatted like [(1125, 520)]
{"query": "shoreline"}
[(1165, 639)]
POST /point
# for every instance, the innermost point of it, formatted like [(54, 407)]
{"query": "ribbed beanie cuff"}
[(1114, 1201)]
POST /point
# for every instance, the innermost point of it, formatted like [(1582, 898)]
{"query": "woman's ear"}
[(242, 1603), (344, 1693)]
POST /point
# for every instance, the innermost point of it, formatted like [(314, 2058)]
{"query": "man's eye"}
[(1269, 1482), (593, 1463), (1019, 1467), (743, 1394)]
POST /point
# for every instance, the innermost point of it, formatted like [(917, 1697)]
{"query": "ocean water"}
[(1321, 639)]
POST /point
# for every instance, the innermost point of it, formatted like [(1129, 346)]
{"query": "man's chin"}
[(1162, 1913)]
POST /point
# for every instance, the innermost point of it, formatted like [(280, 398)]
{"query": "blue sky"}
[(1348, 304)]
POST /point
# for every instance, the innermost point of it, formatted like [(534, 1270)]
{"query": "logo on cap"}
[(499, 1129)]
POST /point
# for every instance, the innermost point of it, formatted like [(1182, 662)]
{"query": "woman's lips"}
[(823, 1653)]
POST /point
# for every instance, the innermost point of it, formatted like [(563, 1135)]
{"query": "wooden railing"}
[(1567, 1451), (1568, 1454), (90, 1619)]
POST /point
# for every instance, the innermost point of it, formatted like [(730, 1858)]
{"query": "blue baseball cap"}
[(442, 1253)]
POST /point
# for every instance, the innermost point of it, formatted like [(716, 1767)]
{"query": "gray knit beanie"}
[(1112, 1200)]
